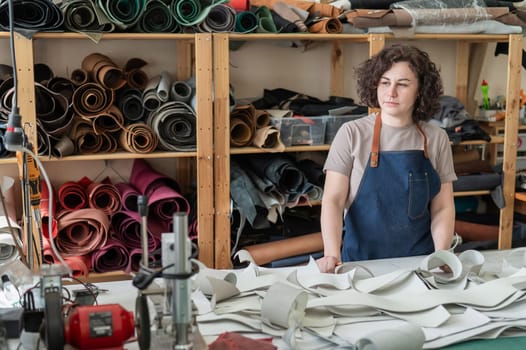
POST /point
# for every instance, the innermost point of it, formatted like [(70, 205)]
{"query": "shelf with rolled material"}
[(183, 56), (466, 48)]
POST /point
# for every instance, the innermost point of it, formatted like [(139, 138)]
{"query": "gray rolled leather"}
[(174, 123), (85, 16), (130, 103), (281, 170), (221, 18), (181, 91)]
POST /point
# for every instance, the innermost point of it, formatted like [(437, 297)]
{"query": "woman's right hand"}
[(327, 264)]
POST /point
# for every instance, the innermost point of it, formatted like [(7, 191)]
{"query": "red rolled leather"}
[(72, 196), (79, 265), (102, 195)]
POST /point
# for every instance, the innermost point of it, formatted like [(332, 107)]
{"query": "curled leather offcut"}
[(175, 123), (113, 256), (102, 195), (72, 196), (91, 99), (81, 231), (138, 138), (242, 125), (268, 138), (327, 26), (127, 227)]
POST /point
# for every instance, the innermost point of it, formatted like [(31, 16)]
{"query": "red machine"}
[(99, 327)]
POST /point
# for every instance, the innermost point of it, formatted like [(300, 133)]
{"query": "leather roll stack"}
[(242, 125), (157, 18)]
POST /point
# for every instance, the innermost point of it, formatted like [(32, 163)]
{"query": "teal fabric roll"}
[(246, 22)]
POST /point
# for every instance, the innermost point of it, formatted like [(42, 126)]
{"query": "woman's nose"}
[(391, 90)]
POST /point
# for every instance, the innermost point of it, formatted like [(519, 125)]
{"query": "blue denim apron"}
[(390, 216)]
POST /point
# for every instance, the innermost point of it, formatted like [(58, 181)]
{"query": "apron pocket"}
[(418, 194)]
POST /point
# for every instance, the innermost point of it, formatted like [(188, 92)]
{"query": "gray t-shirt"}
[(351, 147)]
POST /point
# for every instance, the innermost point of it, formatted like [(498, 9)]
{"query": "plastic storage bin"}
[(301, 131), (334, 122)]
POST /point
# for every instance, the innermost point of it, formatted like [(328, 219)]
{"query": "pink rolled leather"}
[(113, 256), (127, 227), (81, 231), (129, 196)]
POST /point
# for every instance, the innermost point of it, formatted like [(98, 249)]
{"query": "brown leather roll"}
[(109, 121), (242, 125), (262, 118), (91, 99), (79, 76), (327, 26), (102, 195), (134, 75), (265, 253), (138, 138), (104, 71)]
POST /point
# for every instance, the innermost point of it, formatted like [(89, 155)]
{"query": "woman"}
[(390, 174)]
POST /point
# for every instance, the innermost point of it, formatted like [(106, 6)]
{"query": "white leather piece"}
[(405, 337), (513, 262)]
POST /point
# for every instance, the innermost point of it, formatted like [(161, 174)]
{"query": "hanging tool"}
[(485, 94), (30, 177)]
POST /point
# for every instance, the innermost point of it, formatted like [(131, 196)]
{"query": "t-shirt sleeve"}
[(444, 161), (340, 157)]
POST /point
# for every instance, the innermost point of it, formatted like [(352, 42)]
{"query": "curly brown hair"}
[(430, 85)]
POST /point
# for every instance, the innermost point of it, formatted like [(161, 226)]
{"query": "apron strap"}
[(376, 141), (424, 139)]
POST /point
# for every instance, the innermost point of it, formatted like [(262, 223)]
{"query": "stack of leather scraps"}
[(408, 304)]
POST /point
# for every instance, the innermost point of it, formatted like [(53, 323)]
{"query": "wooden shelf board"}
[(117, 36), (250, 150), (471, 193), (110, 156)]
